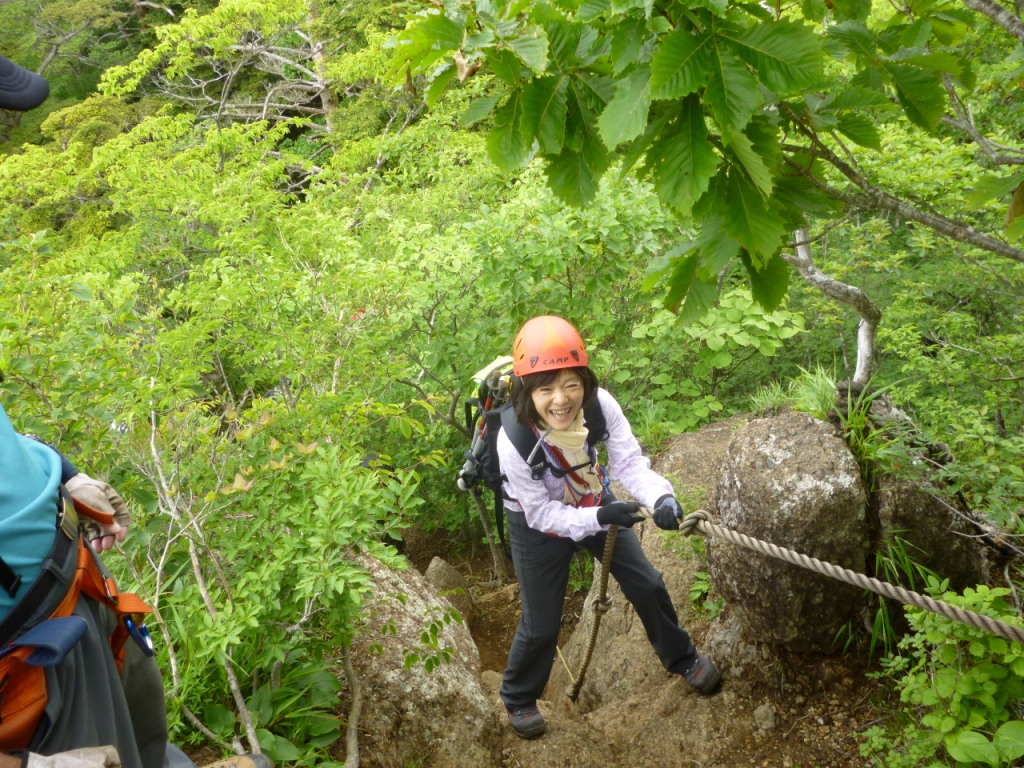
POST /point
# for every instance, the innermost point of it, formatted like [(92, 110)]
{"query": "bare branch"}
[(997, 153), (872, 197), (999, 15), (870, 314), (158, 6), (352, 731)]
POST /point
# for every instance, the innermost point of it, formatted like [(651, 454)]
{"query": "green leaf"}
[(681, 64), (80, 291), (532, 48), (682, 159), (750, 219), (856, 38), (732, 92), (851, 9), (564, 42), (588, 96), (813, 10), (699, 299), (626, 114), (794, 193), (446, 33), (627, 40), (478, 109), (1009, 741), (593, 89), (860, 129), (661, 114), (1015, 230), (971, 747), (625, 6), (943, 61), (786, 55), (945, 681), (506, 145), (679, 281), (717, 7), (743, 149), (439, 82), (544, 112), (283, 751), (505, 64), (573, 177), (219, 718), (920, 93), (859, 98), (768, 285), (591, 9), (992, 188), (426, 41), (716, 248)]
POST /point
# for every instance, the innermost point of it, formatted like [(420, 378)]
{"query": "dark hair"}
[(523, 387)]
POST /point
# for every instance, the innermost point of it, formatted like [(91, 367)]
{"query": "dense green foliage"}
[(235, 260)]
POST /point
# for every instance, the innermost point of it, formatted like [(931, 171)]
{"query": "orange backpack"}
[(23, 693)]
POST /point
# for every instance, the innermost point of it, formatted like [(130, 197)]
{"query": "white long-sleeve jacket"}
[(541, 500)]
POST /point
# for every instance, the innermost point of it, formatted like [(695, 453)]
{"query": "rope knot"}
[(692, 521), (603, 605)]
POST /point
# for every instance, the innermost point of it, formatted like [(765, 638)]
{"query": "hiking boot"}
[(242, 761), (527, 722), (703, 676)]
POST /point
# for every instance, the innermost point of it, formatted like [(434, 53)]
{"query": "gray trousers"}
[(542, 566)]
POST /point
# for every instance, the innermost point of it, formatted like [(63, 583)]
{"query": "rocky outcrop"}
[(938, 533), (419, 711), (447, 580), (792, 481)]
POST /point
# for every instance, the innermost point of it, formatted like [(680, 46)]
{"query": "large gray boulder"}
[(792, 481), (936, 532), (410, 714)]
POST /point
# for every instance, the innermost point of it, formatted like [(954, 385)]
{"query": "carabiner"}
[(140, 634)]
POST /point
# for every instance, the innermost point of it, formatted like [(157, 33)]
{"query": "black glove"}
[(667, 513), (622, 513)]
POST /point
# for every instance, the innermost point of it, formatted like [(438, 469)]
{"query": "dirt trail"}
[(796, 712)]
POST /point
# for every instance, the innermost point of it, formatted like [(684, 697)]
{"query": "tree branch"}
[(870, 314), (874, 198), (352, 731), (999, 15)]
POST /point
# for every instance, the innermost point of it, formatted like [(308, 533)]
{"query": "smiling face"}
[(558, 402)]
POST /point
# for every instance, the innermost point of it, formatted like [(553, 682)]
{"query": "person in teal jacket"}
[(96, 716)]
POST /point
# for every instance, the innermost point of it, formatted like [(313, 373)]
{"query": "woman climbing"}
[(565, 504)]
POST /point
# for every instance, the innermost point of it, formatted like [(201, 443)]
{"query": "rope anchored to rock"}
[(698, 522)]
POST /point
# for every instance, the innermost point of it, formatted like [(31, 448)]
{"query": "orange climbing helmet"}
[(547, 343)]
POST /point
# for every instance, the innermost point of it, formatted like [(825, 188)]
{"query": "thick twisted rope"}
[(698, 521)]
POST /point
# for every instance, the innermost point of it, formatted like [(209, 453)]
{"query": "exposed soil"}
[(812, 709)]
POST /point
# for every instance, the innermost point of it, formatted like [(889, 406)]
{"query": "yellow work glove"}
[(99, 496)]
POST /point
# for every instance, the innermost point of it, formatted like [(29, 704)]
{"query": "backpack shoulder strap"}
[(596, 424), (525, 441)]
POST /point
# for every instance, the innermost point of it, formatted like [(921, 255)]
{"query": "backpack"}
[(487, 413), (25, 652)]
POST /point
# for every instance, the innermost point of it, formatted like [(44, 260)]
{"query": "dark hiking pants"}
[(542, 566)]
